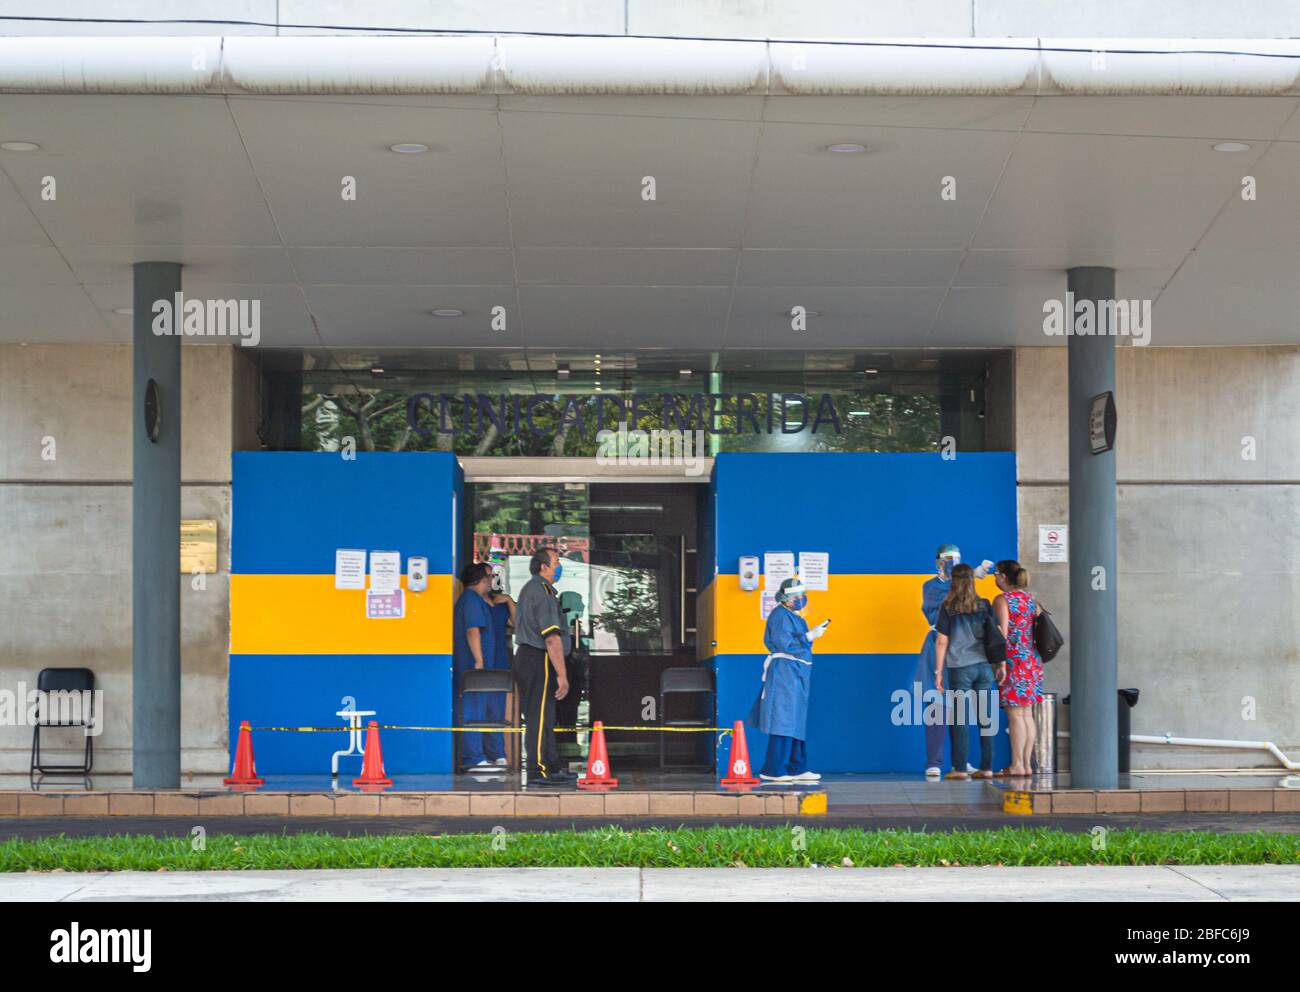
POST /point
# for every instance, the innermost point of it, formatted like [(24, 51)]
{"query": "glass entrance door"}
[(512, 521)]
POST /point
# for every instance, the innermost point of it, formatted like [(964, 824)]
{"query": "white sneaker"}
[(501, 762), (775, 778), (970, 769), (483, 766), (806, 777), (934, 773)]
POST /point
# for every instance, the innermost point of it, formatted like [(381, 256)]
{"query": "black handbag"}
[(1047, 639), (995, 645)]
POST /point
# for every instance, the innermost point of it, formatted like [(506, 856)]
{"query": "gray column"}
[(1094, 753), (155, 537)]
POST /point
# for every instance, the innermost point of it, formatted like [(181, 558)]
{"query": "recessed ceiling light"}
[(19, 146), (408, 148), (846, 148), (1232, 146), (870, 371), (562, 370), (124, 311), (377, 370), (447, 312)]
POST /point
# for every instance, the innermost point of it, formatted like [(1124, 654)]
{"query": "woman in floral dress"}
[(1021, 678)]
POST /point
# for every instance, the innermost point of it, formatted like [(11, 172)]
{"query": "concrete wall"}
[(1209, 542), (65, 563), (708, 18)]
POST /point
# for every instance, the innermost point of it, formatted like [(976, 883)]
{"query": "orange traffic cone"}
[(740, 774), (244, 772), (372, 765), (598, 777)]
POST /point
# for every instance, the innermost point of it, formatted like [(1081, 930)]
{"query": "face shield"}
[(949, 557), (794, 596)]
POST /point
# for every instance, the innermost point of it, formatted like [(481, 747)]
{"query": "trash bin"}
[(1128, 698), (1044, 712)]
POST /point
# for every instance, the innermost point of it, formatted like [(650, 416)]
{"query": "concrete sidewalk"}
[(1064, 884)]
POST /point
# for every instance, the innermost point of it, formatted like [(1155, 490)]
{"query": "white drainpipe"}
[(521, 65), (1268, 746)]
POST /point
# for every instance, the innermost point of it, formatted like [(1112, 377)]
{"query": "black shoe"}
[(561, 775)]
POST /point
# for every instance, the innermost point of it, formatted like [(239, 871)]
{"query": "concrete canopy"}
[(533, 201)]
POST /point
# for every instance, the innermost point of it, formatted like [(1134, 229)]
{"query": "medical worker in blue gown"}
[(933, 593), (781, 710)]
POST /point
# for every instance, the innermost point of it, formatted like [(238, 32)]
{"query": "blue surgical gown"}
[(782, 705)]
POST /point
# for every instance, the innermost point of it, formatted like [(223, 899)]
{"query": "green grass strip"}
[(755, 847)]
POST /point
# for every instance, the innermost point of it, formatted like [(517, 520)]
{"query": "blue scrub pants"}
[(785, 756), (476, 747), (934, 733)]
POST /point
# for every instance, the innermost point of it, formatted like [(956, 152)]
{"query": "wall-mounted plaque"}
[(198, 546)]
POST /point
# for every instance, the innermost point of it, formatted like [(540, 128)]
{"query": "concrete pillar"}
[(1094, 754), (155, 536)]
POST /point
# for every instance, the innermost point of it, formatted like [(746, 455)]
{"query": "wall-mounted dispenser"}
[(749, 572)]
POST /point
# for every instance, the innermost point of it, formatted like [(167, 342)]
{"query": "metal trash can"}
[(1128, 698), (1044, 712)]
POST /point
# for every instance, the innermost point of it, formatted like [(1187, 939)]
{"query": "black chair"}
[(693, 681), (477, 680), (82, 714)]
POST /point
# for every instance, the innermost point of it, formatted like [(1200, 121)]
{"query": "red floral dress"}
[(1024, 682)]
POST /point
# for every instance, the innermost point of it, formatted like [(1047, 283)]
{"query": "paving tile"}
[(1250, 801), (8, 804), (130, 804), (627, 803), (582, 804), (537, 805), (88, 804), (1207, 800), (1118, 801), (715, 805), (672, 804), (356, 804), (492, 804), (222, 805), (1083, 801), (1170, 801), (1286, 800), (175, 804), (409, 805), (751, 805), (446, 804), (36, 804), (311, 805), (266, 805)]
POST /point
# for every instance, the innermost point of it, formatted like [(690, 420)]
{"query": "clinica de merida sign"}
[(543, 414)]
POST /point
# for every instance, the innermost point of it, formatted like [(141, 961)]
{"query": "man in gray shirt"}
[(542, 640)]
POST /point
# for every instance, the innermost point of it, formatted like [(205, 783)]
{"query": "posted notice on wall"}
[(1053, 542), (766, 604), (385, 571), (349, 568), (385, 605), (777, 567), (815, 568)]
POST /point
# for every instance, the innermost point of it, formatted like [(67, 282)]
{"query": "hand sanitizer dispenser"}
[(748, 572), (417, 573)]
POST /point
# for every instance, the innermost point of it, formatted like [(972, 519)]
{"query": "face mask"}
[(798, 603), (559, 570), (946, 566)]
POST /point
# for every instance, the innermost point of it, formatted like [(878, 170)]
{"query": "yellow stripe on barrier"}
[(871, 614), (305, 614)]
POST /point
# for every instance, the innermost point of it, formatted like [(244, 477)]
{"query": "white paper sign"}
[(385, 571), (777, 567), (815, 567), (1053, 542), (349, 568)]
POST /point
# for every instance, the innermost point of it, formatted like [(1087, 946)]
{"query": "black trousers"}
[(536, 677)]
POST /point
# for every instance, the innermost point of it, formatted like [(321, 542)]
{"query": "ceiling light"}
[(447, 312), (19, 146), (1232, 146), (859, 413), (377, 371), (562, 371), (870, 371), (683, 373), (408, 148), (846, 148)]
